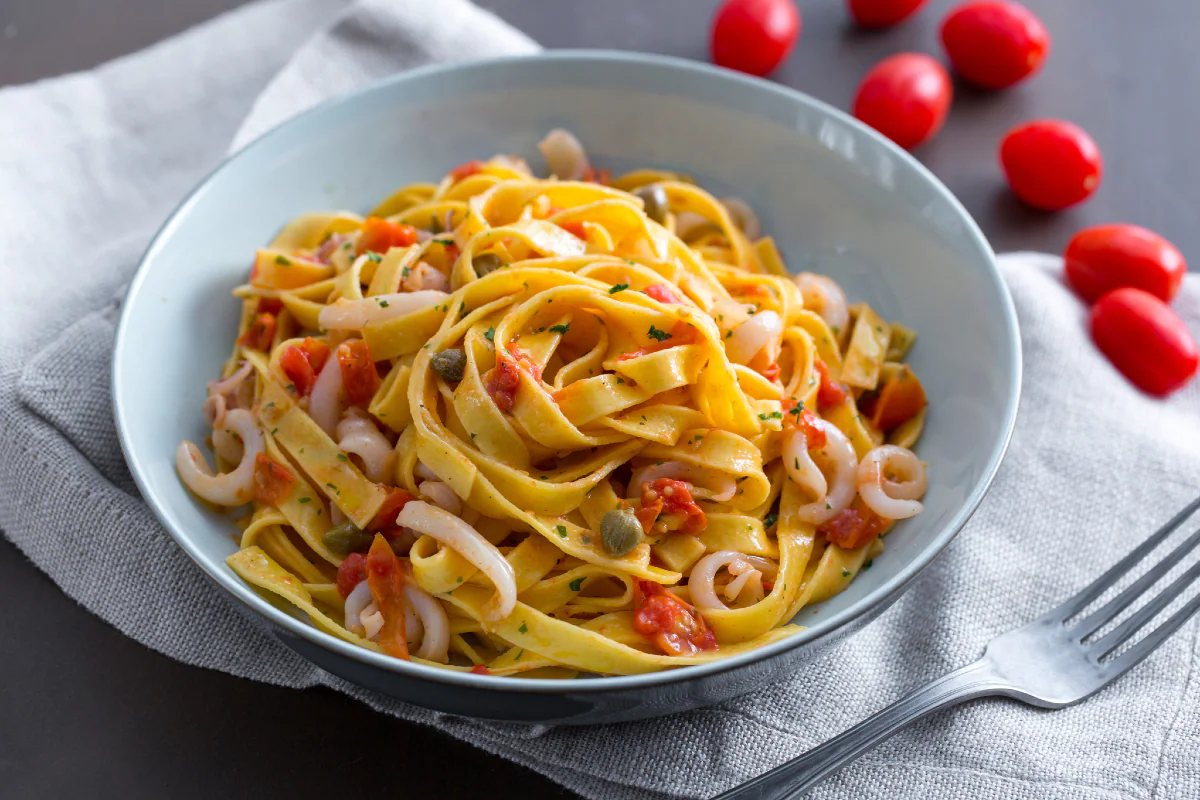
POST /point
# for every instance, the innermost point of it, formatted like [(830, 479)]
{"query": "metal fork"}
[(1048, 663)]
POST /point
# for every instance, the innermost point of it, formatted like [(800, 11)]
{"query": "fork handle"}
[(803, 772)]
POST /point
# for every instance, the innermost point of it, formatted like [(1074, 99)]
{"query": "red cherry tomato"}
[(1106, 257), (754, 36), (905, 97), (1145, 340), (1051, 164), (881, 13), (994, 43)]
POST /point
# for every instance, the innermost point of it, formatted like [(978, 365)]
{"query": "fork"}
[(1049, 663)]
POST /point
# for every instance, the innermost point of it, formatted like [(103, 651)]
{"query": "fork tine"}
[(1097, 619), (1131, 657), (1114, 638), (1097, 587)]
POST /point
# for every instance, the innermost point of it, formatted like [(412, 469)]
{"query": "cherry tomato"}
[(1145, 340), (881, 13), (1106, 257), (1051, 164), (905, 97), (994, 43), (754, 36)]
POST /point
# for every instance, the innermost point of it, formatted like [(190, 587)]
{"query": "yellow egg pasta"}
[(551, 427)]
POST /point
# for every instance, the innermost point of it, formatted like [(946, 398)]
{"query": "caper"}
[(487, 262), (449, 364), (346, 538), (620, 531), (655, 198)]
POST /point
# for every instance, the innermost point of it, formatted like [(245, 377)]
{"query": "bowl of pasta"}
[(570, 388)]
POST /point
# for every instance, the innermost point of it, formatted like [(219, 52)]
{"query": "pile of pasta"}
[(553, 427)]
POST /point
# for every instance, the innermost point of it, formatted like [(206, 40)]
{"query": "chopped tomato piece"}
[(663, 293), (385, 517), (302, 364), (853, 527), (901, 399), (359, 376), (351, 572), (675, 499), (600, 176), (673, 624), (260, 334), (481, 669), (270, 305), (385, 575), (379, 235), (272, 481), (503, 380), (466, 170), (771, 371), (797, 416), (576, 229), (830, 392), (681, 333)]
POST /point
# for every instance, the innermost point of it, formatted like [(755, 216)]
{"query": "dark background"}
[(85, 711)]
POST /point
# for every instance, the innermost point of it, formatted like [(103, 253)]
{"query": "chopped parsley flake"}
[(342, 457), (518, 656), (559, 328), (620, 381), (283, 261), (772, 415), (845, 572), (305, 499), (523, 629), (631, 261), (490, 335), (383, 303), (274, 431), (770, 519), (473, 435), (562, 530), (867, 565), (331, 486), (657, 335), (576, 584), (620, 287), (373, 256)]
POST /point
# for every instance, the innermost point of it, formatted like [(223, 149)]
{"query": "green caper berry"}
[(485, 263), (346, 538), (620, 531), (449, 364), (655, 198)]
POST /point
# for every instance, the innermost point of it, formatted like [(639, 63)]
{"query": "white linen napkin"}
[(93, 162)]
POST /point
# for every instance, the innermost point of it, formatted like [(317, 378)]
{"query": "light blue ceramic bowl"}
[(838, 198)]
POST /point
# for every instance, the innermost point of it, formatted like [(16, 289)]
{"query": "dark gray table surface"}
[(85, 711)]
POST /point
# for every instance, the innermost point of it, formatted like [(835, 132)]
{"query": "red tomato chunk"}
[(480, 669), (359, 376), (385, 575), (673, 624), (385, 517), (830, 392), (853, 527), (674, 498), (379, 236), (260, 334), (302, 364), (663, 293), (351, 572), (503, 380), (272, 481), (466, 170)]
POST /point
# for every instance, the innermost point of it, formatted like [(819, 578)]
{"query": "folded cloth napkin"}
[(1093, 467)]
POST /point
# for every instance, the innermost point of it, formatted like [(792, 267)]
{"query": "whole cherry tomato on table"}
[(1145, 340), (754, 36), (882, 13), (905, 97), (1051, 164), (1106, 257), (994, 43)]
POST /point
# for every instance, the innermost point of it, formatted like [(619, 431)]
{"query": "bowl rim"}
[(881, 596)]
